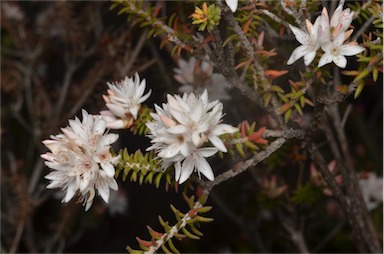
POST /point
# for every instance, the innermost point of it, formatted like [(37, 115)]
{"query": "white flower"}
[(181, 129), (124, 102), (197, 76), (232, 4), (335, 51), (81, 161), (309, 42), (372, 190)]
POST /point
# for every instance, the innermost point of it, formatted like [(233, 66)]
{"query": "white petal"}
[(71, 191), (177, 171), (299, 52), (108, 139), (308, 58), (326, 58), (207, 151), (186, 170), (99, 126), (103, 190), (178, 129), (340, 61), (116, 110), (134, 111), (351, 50), (118, 124), (196, 138), (169, 151), (217, 142), (108, 168), (145, 97), (204, 168), (300, 35), (232, 4), (223, 128)]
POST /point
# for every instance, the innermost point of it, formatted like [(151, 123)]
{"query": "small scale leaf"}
[(189, 234)]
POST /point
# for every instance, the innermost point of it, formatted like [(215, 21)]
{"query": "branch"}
[(242, 166)]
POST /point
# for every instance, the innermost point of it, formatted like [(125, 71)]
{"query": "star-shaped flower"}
[(335, 51), (309, 42)]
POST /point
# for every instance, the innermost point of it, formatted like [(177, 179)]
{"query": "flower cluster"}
[(124, 102), (81, 160), (330, 35), (196, 75), (181, 129)]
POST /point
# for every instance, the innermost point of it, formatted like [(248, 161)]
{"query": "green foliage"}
[(207, 17), (371, 60), (186, 226), (144, 168), (246, 141), (139, 126)]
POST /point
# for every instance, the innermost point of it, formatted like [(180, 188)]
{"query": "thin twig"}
[(242, 166)]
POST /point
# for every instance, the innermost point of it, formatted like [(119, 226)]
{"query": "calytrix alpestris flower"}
[(124, 102), (81, 160), (185, 131)]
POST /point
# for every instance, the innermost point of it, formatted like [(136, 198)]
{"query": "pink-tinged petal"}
[(167, 121), (351, 50), (299, 52), (204, 168), (172, 102), (71, 191), (326, 58), (178, 129), (217, 142), (309, 26), (232, 4), (340, 61), (53, 145), (116, 110), (118, 124), (208, 151), (108, 168), (308, 58), (107, 116), (300, 35), (223, 129)]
